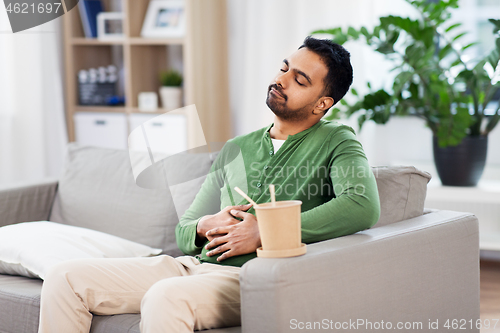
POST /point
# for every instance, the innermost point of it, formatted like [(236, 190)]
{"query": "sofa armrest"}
[(27, 202), (421, 269)]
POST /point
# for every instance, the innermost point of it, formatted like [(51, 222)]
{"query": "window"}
[(474, 15)]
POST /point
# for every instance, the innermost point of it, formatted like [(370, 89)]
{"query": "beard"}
[(279, 108)]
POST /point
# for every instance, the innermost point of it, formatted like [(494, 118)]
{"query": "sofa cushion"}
[(97, 191), (20, 310), (402, 191), (130, 323), (19, 304)]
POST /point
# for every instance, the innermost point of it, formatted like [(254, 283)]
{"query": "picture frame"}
[(164, 19), (110, 25)]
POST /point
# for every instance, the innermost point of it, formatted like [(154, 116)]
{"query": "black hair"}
[(337, 60)]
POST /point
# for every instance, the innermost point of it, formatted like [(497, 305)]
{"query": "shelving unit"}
[(142, 60)]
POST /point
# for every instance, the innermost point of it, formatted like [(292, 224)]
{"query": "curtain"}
[(32, 126)]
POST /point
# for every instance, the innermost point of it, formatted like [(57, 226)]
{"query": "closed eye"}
[(300, 84)]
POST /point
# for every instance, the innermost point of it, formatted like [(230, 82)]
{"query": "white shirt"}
[(277, 144)]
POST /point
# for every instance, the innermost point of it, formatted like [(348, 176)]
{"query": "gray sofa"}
[(412, 266)]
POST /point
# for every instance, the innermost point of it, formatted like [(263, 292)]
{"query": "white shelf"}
[(482, 200), (490, 242), (487, 191)]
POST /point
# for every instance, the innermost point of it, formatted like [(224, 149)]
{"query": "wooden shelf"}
[(86, 108), (125, 41), (95, 41), (155, 41), (158, 111), (140, 61)]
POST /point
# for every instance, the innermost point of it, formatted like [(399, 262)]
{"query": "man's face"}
[(300, 83)]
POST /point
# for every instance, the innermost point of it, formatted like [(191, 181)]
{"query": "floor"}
[(490, 295)]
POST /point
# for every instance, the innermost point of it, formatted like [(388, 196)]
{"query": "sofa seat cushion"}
[(97, 191), (19, 304), (402, 191), (116, 324), (20, 310), (130, 323)]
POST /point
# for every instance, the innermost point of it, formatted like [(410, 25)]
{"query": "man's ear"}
[(323, 105)]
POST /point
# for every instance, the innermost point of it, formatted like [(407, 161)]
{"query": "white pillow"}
[(30, 248)]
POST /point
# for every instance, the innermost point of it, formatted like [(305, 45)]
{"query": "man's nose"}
[(280, 80)]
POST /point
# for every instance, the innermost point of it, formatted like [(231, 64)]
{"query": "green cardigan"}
[(324, 166)]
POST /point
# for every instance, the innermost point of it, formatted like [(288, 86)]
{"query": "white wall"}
[(262, 33)]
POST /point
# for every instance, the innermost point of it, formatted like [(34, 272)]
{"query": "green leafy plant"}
[(433, 80), (171, 78)]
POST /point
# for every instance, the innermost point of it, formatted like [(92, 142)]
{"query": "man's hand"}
[(221, 219), (238, 239)]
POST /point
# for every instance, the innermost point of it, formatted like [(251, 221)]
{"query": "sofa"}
[(413, 266)]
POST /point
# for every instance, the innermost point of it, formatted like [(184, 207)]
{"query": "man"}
[(306, 158)]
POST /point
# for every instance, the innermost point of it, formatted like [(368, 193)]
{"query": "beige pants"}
[(172, 294)]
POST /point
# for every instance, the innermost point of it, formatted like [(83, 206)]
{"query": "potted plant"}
[(433, 82), (171, 90)]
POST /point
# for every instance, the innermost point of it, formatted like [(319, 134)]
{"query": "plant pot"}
[(463, 164), (171, 97)]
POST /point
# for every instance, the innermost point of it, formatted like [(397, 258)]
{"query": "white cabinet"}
[(108, 130), (165, 133)]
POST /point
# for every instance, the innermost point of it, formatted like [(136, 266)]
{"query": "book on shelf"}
[(88, 14)]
